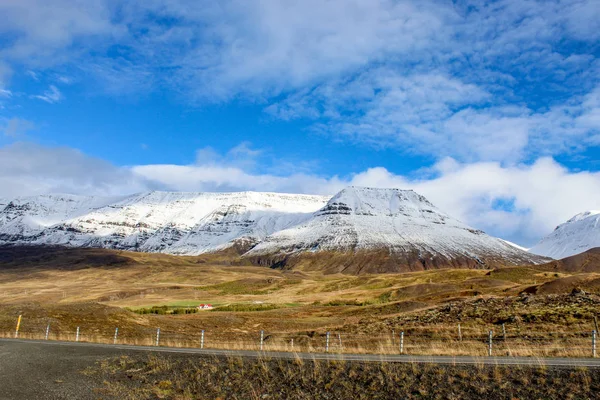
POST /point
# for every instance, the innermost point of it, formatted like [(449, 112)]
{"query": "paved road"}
[(464, 360)]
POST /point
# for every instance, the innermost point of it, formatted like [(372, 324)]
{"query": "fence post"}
[(292, 344), (116, 335), (459, 334), (327, 342), (503, 332), (157, 336), (47, 331), (490, 335), (202, 339), (594, 344), (77, 335), (393, 338), (402, 342), (18, 326), (262, 339), (340, 339)]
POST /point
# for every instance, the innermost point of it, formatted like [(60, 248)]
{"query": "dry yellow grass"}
[(67, 291)]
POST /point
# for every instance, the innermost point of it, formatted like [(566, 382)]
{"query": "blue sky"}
[(491, 109)]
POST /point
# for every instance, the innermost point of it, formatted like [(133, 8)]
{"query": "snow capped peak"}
[(578, 234), (401, 222), (583, 215), (355, 219), (372, 201)]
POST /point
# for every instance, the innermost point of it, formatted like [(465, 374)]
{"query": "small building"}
[(205, 307)]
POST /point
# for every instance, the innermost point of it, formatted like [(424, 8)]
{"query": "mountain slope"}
[(402, 227), (27, 217), (588, 261), (358, 230), (179, 223), (580, 233)]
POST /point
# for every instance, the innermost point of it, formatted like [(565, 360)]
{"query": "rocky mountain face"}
[(358, 230), (580, 233)]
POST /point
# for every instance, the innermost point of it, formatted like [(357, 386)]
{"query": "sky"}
[(490, 109)]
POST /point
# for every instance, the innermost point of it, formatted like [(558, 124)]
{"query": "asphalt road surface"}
[(31, 369)]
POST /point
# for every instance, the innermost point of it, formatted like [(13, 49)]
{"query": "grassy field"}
[(99, 290), (165, 377)]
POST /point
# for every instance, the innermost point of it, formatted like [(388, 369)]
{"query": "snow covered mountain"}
[(399, 226), (177, 223), (580, 233), (402, 223)]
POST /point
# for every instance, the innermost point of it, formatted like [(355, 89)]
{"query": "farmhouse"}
[(205, 307)]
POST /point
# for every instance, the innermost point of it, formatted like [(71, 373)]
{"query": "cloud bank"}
[(503, 80)]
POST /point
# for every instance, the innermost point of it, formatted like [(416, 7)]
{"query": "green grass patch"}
[(165, 310), (248, 307)]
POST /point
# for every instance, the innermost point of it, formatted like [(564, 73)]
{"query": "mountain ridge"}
[(406, 231), (578, 234), (399, 229)]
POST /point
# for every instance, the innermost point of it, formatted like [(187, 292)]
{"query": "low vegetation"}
[(530, 308), (165, 310), (173, 377), (248, 307)]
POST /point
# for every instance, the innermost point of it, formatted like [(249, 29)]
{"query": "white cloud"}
[(28, 169), (242, 156), (536, 197), (15, 127), (47, 33), (433, 76), (52, 95), (438, 115)]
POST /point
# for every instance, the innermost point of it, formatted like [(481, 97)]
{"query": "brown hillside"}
[(588, 261), (376, 262)]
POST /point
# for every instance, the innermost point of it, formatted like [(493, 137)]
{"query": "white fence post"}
[(327, 342), (77, 335), (157, 336), (47, 331), (340, 339), (459, 333), (402, 342), (116, 335), (490, 335), (503, 332), (594, 344), (292, 344), (262, 339), (202, 339)]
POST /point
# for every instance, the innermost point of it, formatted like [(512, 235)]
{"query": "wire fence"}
[(473, 342)]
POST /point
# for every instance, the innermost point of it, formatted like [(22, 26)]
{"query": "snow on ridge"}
[(515, 245), (181, 222), (583, 215), (399, 220), (195, 222), (578, 234)]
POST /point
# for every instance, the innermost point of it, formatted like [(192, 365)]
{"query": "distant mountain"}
[(401, 227), (177, 223), (358, 230), (580, 233)]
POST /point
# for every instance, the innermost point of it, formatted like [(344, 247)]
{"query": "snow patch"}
[(578, 234)]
